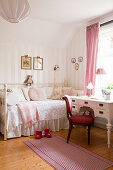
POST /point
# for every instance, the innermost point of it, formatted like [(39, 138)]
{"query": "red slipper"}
[(38, 134), (47, 133)]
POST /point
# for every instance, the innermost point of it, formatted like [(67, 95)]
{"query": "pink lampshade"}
[(100, 71)]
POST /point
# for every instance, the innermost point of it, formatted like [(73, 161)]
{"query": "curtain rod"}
[(106, 23)]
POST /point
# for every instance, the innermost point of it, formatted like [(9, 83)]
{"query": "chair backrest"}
[(84, 110), (68, 105)]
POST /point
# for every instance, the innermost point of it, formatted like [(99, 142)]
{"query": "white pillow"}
[(25, 92), (49, 91), (12, 99), (36, 94), (19, 94)]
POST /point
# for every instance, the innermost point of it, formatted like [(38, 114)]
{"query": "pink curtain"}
[(92, 49)]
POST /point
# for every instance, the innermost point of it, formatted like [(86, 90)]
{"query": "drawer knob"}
[(100, 112), (85, 102), (101, 105), (73, 100)]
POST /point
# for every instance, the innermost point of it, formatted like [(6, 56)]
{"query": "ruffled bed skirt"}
[(54, 125)]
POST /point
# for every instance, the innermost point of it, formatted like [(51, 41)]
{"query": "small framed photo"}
[(26, 62), (37, 63), (80, 59), (76, 66), (73, 60)]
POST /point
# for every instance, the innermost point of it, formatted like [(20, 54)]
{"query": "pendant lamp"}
[(14, 10)]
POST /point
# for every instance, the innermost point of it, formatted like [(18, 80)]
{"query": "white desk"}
[(102, 108)]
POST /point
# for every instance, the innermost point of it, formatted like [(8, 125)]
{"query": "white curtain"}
[(105, 57)]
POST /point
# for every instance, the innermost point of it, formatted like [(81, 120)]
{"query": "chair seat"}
[(83, 120)]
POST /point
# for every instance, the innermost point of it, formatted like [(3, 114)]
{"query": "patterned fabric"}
[(59, 92), (63, 156), (82, 120), (69, 91), (36, 94), (29, 113), (52, 114)]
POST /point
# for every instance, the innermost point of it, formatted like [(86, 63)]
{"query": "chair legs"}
[(88, 135), (70, 129)]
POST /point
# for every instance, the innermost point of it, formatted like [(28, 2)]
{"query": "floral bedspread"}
[(47, 110)]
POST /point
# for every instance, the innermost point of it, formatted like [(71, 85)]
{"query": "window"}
[(105, 58)]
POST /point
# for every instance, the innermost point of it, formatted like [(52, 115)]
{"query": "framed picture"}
[(76, 66), (80, 59), (73, 60), (37, 63), (26, 62)]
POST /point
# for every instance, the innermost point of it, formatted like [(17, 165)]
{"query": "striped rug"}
[(70, 156)]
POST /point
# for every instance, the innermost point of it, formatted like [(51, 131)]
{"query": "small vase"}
[(107, 97)]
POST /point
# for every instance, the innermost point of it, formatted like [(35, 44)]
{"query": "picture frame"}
[(76, 66), (37, 63), (73, 60), (26, 62), (80, 59)]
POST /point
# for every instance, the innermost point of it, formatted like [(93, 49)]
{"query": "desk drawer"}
[(102, 106), (101, 113), (74, 108), (74, 101), (86, 103)]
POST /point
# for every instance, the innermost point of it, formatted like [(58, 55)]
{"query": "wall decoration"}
[(73, 60), (37, 63), (80, 59), (56, 67), (26, 62), (76, 66)]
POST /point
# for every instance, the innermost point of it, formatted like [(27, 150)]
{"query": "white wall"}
[(76, 48), (10, 63), (35, 38)]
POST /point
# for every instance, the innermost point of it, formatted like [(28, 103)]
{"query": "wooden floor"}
[(15, 155)]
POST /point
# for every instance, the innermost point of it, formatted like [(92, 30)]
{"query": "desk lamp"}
[(90, 87)]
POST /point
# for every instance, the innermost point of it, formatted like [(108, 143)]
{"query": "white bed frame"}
[(3, 106)]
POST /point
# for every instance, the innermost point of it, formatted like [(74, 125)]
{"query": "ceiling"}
[(69, 11)]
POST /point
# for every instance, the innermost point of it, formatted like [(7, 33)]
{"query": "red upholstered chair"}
[(85, 117)]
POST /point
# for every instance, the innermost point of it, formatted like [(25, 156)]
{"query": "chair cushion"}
[(83, 120)]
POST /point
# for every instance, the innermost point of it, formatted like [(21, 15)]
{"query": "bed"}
[(52, 115)]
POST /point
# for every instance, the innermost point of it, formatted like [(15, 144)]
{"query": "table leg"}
[(109, 126)]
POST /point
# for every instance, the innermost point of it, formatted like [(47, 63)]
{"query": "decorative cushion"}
[(18, 92), (57, 93), (83, 120), (12, 99), (36, 94), (25, 92), (70, 91)]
